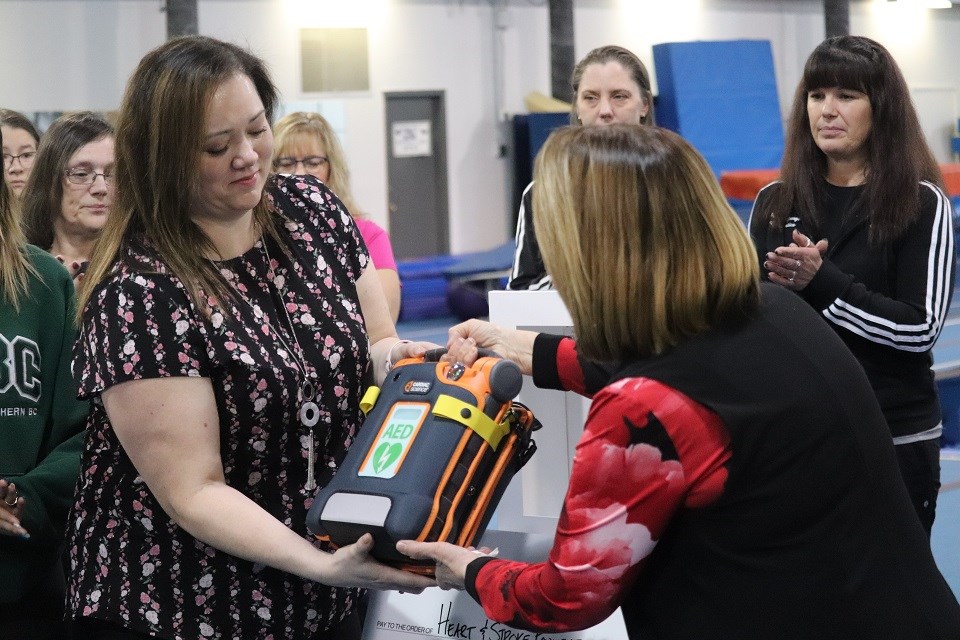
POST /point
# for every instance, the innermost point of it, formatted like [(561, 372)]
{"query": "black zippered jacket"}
[(888, 303)]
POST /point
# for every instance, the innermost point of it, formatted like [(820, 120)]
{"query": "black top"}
[(888, 303), (528, 270), (810, 536)]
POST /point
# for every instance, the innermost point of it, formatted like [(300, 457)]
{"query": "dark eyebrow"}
[(227, 131)]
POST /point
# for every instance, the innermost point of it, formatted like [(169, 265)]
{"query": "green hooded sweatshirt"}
[(41, 421)]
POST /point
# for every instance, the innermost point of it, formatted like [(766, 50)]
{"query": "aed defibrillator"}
[(439, 444)]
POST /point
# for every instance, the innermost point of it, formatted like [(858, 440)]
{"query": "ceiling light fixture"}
[(925, 4)]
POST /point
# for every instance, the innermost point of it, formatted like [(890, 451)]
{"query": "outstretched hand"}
[(451, 560), (407, 349), (467, 337), (353, 566)]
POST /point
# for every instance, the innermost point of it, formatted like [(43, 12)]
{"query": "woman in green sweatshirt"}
[(41, 432)]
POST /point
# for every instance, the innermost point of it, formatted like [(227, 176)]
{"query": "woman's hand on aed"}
[(353, 566), (408, 349), (451, 560), (401, 349), (467, 337)]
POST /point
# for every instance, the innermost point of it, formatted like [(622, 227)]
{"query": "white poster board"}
[(454, 614), (534, 497)]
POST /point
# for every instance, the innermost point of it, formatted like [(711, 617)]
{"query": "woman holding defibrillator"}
[(229, 321), (715, 494)]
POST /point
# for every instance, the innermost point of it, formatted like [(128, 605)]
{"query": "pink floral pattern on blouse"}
[(130, 563)]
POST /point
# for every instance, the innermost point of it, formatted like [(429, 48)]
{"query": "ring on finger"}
[(793, 277), (10, 504), (798, 266)]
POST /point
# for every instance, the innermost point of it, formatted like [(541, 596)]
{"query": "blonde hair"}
[(158, 146), (304, 126), (643, 247)]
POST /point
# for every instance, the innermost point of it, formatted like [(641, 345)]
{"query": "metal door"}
[(417, 173)]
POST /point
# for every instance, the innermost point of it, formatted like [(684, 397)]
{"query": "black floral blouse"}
[(129, 562)]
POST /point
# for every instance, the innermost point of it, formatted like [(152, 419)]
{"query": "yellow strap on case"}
[(369, 399), (472, 418)]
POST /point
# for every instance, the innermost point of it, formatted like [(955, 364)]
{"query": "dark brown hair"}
[(159, 132), (898, 155), (16, 120)]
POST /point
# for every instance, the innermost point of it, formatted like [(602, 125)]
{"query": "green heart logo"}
[(385, 455)]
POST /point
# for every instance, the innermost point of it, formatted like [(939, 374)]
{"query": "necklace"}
[(309, 412)]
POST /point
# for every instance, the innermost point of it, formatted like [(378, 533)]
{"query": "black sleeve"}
[(575, 373), (759, 227), (470, 579)]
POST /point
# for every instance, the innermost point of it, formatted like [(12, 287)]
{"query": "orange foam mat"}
[(744, 184)]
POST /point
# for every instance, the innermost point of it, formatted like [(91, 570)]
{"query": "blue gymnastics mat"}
[(722, 97)]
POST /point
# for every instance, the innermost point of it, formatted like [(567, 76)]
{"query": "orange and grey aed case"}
[(439, 445)]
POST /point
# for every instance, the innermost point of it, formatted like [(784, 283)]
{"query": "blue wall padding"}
[(423, 287), (949, 390), (721, 97)]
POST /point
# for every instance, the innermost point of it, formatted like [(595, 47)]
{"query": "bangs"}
[(294, 136), (833, 67)]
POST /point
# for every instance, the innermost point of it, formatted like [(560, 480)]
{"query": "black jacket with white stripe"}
[(528, 271), (888, 303)]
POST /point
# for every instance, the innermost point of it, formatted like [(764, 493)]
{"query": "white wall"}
[(72, 54)]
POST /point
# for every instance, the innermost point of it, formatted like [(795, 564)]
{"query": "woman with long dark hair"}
[(859, 227)]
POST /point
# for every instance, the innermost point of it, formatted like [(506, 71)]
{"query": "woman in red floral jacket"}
[(736, 478)]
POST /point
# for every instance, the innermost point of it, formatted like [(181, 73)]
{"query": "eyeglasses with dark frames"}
[(289, 163), (86, 177), (25, 158)]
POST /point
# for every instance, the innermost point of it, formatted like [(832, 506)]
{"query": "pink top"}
[(378, 244)]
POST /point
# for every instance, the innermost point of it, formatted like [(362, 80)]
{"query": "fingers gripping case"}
[(438, 447)]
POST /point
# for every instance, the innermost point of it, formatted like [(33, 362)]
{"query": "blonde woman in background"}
[(306, 144)]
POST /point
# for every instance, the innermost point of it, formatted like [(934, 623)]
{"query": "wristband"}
[(388, 364)]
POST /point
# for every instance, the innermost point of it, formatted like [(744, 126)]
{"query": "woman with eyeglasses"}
[(68, 198), (41, 423), (306, 144), (20, 142)]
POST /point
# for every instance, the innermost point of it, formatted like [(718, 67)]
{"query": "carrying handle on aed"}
[(434, 355), (505, 377)]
